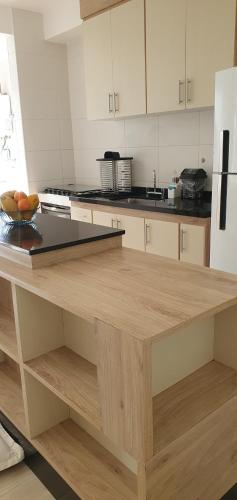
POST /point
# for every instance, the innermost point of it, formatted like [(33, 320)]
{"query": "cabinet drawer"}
[(162, 238), (81, 214)]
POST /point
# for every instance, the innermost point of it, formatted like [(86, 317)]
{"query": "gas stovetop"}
[(72, 190), (84, 192)]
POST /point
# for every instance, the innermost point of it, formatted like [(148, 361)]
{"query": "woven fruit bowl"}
[(17, 208), (18, 218)]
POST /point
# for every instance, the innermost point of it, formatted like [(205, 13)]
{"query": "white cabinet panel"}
[(133, 226), (81, 214), (128, 54), (104, 219), (166, 24), (210, 47), (162, 238), (134, 231), (98, 66), (192, 244)]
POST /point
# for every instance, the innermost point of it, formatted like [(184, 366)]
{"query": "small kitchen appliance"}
[(115, 173), (193, 181)]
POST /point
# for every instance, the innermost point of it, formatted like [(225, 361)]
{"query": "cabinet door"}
[(98, 67), (162, 238), (210, 47), (165, 46), (128, 53), (192, 244), (134, 231), (105, 219), (81, 214)]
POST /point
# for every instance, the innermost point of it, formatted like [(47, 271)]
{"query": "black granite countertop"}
[(178, 206), (49, 233)]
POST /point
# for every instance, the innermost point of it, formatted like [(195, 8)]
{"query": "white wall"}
[(45, 108), (60, 16), (167, 142), (5, 20)]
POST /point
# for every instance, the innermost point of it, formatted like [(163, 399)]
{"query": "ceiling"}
[(34, 5)]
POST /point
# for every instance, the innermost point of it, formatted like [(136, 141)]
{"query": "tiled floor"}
[(57, 487), (19, 482)]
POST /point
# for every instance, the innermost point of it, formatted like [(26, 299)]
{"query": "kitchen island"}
[(49, 240), (120, 368)]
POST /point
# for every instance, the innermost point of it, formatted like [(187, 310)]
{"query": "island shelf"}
[(11, 397), (124, 406), (8, 341)]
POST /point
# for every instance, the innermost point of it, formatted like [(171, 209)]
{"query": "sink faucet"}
[(154, 180)]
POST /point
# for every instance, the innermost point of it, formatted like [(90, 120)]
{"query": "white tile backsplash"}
[(41, 135), (44, 165), (207, 127), (179, 129), (173, 159), (167, 143), (45, 103), (141, 132)]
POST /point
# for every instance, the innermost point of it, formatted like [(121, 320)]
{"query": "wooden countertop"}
[(144, 295)]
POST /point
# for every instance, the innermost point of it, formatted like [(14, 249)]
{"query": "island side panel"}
[(225, 346), (125, 387)]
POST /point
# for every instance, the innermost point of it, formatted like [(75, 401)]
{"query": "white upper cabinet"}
[(165, 20), (128, 55), (114, 48), (187, 42), (98, 67), (210, 47)]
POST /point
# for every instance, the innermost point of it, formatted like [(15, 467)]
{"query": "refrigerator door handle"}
[(225, 146)]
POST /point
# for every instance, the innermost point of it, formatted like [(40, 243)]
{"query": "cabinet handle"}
[(189, 90), (182, 235), (113, 221), (147, 234), (181, 86), (118, 224), (116, 102), (111, 109)]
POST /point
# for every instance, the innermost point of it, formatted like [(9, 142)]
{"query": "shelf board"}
[(90, 470), (177, 409), (11, 400), (8, 342), (72, 378)]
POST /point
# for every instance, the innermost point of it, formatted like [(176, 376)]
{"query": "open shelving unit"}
[(81, 393), (11, 398), (182, 406), (70, 377), (8, 341)]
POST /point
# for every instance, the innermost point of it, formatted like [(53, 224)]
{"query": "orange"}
[(19, 195), (23, 204)]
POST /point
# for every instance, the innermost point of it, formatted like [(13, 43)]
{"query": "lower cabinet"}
[(81, 214), (133, 226), (162, 238), (192, 244), (175, 240)]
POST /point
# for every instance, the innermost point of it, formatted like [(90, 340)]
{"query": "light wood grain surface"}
[(185, 404), (72, 378), (147, 296), (87, 467), (92, 7), (11, 400), (201, 464)]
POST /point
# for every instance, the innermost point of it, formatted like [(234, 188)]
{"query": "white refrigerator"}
[(224, 187)]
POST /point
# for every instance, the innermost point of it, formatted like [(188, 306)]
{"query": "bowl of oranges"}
[(17, 208)]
